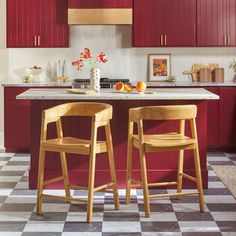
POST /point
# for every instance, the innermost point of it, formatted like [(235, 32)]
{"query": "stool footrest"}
[(188, 177), (101, 188), (78, 187), (65, 198), (139, 183), (172, 194), (49, 181)]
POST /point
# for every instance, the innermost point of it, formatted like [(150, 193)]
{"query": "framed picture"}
[(159, 67)]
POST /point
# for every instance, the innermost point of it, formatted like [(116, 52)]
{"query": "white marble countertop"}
[(177, 83), (39, 84), (106, 94)]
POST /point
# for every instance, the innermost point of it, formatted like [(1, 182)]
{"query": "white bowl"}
[(34, 72)]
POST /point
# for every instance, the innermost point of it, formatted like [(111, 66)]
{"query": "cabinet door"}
[(180, 22), (22, 21), (148, 23), (37, 23), (211, 22), (231, 22), (16, 121), (53, 30), (227, 117), (213, 119)]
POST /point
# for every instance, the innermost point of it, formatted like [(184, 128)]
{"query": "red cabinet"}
[(227, 116), (216, 22), (37, 23), (213, 119), (100, 4), (147, 23), (164, 23), (231, 22), (16, 120), (179, 23)]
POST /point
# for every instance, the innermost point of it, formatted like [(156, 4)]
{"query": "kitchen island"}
[(161, 166)]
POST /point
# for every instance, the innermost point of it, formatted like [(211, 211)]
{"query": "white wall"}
[(3, 57), (124, 61)]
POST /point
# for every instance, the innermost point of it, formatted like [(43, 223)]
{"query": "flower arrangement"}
[(233, 65), (86, 56)]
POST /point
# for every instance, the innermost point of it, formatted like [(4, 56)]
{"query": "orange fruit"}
[(141, 86), (128, 88), (119, 86)]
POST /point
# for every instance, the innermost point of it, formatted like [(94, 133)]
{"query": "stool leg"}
[(180, 171), (129, 170), (40, 180), (91, 187), (199, 179), (145, 182), (112, 166), (65, 175)]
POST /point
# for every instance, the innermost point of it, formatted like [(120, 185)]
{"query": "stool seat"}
[(170, 141), (73, 145)]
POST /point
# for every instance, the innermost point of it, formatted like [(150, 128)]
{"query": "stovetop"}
[(104, 82)]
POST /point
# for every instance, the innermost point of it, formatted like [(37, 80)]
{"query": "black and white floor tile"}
[(168, 217)]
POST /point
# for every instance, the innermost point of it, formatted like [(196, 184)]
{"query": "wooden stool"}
[(101, 115), (163, 142)]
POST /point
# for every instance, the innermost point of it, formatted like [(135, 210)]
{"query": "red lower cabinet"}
[(213, 119), (227, 117), (16, 120)]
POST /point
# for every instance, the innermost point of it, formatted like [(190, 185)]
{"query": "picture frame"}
[(159, 67)]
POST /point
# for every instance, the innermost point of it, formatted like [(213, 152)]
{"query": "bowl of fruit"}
[(34, 72)]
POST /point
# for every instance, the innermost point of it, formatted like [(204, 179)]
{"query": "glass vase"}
[(95, 79)]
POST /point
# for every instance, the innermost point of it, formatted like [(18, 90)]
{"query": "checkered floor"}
[(169, 216)]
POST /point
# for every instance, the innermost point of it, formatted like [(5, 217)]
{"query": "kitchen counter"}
[(107, 94), (191, 84), (177, 83), (39, 84)]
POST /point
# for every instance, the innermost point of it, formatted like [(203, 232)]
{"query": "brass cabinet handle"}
[(228, 41), (165, 37), (225, 40), (161, 40), (35, 41), (39, 42)]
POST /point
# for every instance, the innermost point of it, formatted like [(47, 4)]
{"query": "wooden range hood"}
[(102, 12)]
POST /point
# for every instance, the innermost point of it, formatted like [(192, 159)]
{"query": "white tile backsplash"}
[(124, 61)]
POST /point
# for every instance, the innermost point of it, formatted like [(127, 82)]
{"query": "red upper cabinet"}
[(231, 22), (164, 23), (20, 18), (216, 22), (100, 4), (147, 23), (180, 23), (37, 23)]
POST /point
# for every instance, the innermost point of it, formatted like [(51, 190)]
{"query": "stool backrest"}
[(100, 111), (176, 112), (101, 114)]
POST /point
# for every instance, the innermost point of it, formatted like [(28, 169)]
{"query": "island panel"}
[(161, 166)]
